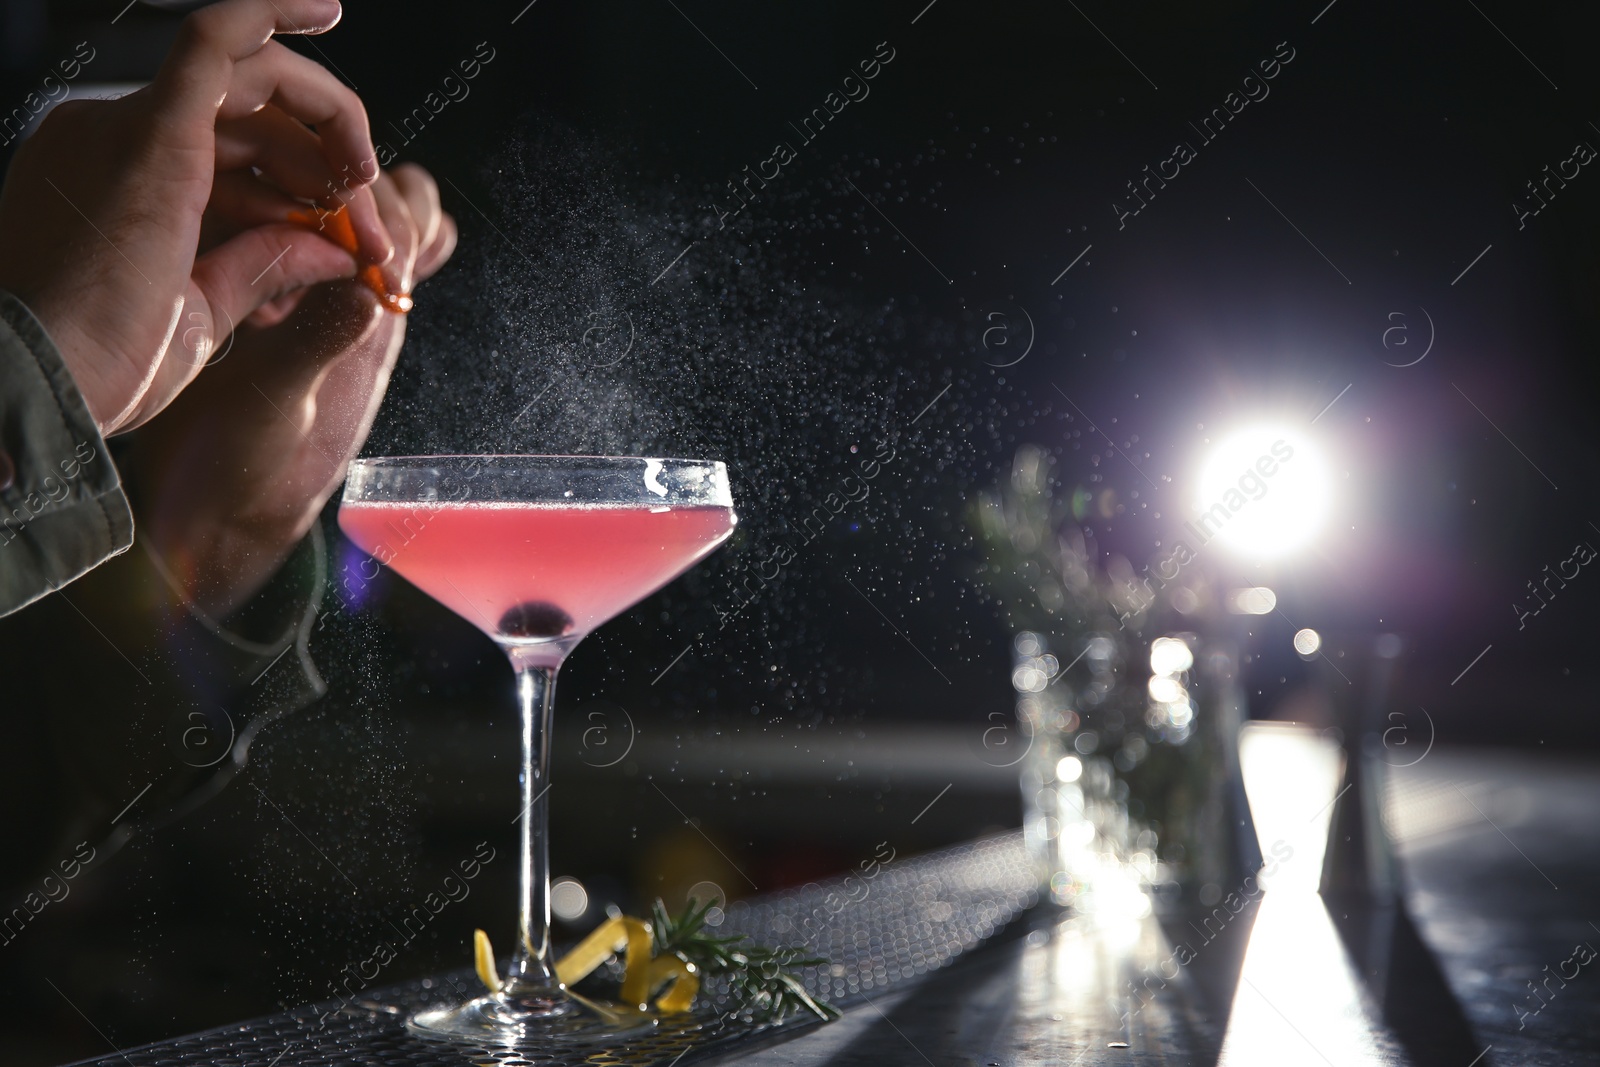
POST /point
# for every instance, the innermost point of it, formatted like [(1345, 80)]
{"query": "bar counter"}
[(949, 959)]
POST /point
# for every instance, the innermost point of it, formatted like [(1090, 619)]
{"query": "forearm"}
[(130, 708), (137, 688)]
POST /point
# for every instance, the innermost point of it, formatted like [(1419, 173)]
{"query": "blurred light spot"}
[(1029, 679), (568, 899), (1264, 490), (1252, 600), (1164, 689), (1307, 641), (1064, 888), (1170, 655), (708, 893), (1070, 769)]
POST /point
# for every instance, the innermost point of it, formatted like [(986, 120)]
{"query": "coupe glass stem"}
[(532, 982)]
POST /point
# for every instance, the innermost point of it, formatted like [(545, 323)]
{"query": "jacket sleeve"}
[(124, 705), (62, 508)]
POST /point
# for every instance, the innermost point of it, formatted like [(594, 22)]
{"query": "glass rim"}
[(506, 477), (370, 460)]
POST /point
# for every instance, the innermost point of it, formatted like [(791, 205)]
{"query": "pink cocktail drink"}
[(536, 551), (536, 572)]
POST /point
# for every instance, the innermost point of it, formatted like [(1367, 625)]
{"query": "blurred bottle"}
[(1128, 689)]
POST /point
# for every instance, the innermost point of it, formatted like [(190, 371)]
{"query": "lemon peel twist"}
[(678, 979)]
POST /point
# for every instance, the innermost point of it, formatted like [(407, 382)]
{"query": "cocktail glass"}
[(536, 551)]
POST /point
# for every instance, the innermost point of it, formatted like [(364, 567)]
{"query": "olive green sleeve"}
[(62, 508)]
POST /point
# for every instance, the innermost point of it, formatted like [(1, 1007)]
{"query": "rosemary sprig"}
[(758, 977)]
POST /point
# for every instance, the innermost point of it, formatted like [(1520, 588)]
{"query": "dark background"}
[(991, 150)]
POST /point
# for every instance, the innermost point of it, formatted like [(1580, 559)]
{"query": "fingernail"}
[(329, 12)]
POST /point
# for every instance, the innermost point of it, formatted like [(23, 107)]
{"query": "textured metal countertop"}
[(939, 960), (882, 928)]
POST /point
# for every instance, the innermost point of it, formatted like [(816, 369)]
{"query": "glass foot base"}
[(568, 1021)]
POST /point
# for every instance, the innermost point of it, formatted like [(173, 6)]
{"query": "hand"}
[(235, 471), (100, 217)]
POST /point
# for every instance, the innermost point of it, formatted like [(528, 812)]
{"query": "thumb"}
[(260, 265), (225, 286)]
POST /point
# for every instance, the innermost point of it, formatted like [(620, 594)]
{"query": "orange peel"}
[(335, 226), (676, 979)]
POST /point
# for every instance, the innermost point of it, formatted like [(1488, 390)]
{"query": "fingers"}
[(309, 92), (434, 256), (197, 73), (348, 397), (258, 267), (225, 66), (288, 153), (437, 230), (231, 282), (410, 210), (287, 361), (292, 158), (275, 311), (422, 196), (241, 201), (398, 219)]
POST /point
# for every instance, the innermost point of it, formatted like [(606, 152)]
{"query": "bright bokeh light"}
[(1253, 600), (1170, 655), (708, 892), (568, 899), (1307, 641), (1263, 491), (1164, 689)]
